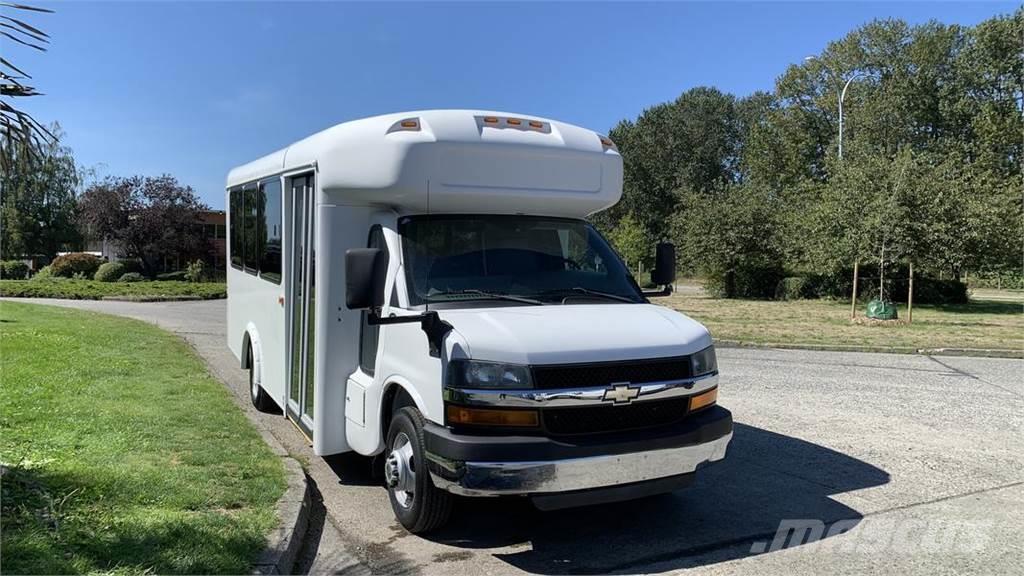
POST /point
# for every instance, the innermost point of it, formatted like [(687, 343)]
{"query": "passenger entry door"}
[(302, 299)]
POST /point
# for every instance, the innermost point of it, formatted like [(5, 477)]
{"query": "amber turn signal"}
[(704, 399), (460, 415)]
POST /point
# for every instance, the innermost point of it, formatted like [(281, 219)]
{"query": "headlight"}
[(478, 374), (704, 362)]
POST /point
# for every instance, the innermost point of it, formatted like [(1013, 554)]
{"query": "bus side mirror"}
[(365, 272), (664, 272)]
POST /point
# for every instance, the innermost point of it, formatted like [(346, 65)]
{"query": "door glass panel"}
[(298, 244), (311, 310)]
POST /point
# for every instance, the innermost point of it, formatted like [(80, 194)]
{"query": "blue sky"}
[(194, 88)]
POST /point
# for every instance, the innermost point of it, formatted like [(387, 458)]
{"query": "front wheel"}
[(418, 504)]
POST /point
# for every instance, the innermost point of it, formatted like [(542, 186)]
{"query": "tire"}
[(259, 397), (426, 507)]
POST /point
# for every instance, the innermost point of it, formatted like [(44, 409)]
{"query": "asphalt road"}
[(904, 464)]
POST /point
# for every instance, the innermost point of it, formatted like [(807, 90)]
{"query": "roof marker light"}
[(490, 120), (606, 142), (405, 125), (514, 121), (535, 124)]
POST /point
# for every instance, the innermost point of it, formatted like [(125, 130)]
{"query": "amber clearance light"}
[(460, 415), (704, 399)]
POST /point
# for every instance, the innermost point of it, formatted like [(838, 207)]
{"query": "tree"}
[(17, 127), (729, 236), (690, 144), (630, 242), (39, 198), (150, 218)]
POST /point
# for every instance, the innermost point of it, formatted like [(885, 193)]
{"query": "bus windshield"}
[(516, 259)]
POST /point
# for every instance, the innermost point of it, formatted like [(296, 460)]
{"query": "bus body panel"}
[(253, 303)]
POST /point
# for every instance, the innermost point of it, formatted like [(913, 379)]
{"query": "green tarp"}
[(881, 310)]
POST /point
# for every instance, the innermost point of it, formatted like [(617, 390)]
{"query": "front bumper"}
[(476, 465)]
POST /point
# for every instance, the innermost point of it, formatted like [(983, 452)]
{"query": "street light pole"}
[(842, 96)]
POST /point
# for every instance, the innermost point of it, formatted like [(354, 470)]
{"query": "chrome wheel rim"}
[(400, 471)]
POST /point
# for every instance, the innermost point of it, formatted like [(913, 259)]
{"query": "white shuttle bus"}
[(424, 287)]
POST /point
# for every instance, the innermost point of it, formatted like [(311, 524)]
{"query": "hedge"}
[(110, 272), (745, 281), (14, 269), (92, 290), (75, 263)]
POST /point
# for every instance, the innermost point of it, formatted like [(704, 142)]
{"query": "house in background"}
[(214, 224)]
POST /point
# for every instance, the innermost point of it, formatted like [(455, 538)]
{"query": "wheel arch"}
[(397, 393), (251, 341)]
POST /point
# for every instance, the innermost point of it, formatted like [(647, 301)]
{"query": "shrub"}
[(196, 271), (13, 269), (131, 277), (794, 288), (176, 276), (44, 273), (110, 272), (745, 281), (131, 265), (932, 291), (75, 263)]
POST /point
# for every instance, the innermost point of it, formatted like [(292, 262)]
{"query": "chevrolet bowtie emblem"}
[(621, 393)]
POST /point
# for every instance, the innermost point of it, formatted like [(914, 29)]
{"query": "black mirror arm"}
[(430, 322)]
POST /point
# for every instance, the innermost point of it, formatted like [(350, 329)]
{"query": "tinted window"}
[(235, 218), (251, 235), (270, 231)]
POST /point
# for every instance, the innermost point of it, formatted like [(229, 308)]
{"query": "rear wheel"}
[(260, 399), (418, 504)]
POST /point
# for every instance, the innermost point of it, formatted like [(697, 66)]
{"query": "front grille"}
[(611, 418), (606, 373)]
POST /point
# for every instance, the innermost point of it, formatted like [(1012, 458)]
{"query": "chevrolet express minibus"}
[(425, 288)]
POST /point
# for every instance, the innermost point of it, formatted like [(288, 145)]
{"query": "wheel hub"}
[(399, 471)]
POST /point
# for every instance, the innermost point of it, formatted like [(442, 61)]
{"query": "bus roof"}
[(455, 161)]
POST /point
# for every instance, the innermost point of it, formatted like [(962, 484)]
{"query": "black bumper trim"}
[(704, 426)]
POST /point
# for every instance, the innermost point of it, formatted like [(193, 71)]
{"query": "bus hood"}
[(576, 333)]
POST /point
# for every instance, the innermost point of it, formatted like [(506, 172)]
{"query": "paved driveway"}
[(907, 464)]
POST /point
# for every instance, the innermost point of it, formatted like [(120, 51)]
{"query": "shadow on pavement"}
[(765, 478)]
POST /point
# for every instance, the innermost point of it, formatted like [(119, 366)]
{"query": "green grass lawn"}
[(996, 323), (92, 290), (121, 453)]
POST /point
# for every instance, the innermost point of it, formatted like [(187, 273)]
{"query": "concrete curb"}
[(155, 298), (975, 352), (284, 543)]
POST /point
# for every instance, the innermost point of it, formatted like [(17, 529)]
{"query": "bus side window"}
[(235, 226)]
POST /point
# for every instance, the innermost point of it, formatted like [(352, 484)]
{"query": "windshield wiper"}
[(590, 292), (492, 295)]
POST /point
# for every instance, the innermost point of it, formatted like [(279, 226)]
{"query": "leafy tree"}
[(729, 235), (17, 128), (150, 218), (631, 243), (693, 143), (38, 203)]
